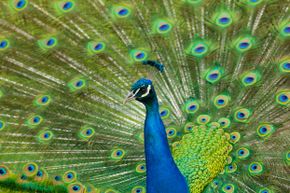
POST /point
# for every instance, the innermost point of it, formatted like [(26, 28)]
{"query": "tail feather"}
[(67, 65)]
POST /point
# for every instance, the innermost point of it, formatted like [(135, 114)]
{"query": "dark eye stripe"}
[(143, 89)]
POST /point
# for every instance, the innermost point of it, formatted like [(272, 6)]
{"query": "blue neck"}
[(160, 166)]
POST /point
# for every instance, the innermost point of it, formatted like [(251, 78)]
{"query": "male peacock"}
[(220, 69), (159, 162)]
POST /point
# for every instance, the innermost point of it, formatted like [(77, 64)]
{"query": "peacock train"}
[(208, 107)]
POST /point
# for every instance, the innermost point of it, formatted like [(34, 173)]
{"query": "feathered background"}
[(66, 67)]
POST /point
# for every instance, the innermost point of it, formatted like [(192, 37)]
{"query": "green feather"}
[(67, 65)]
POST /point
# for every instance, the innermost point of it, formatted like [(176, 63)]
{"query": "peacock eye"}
[(143, 89)]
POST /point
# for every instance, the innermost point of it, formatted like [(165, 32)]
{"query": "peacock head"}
[(142, 90)]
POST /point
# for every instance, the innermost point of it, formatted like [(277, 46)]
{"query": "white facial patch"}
[(134, 93), (147, 92)]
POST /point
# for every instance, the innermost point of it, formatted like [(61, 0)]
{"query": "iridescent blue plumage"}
[(161, 168)]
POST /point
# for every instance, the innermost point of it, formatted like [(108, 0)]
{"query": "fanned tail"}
[(66, 66)]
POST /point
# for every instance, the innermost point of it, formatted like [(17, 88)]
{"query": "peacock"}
[(208, 84)]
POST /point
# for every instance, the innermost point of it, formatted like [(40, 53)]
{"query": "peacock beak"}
[(131, 96)]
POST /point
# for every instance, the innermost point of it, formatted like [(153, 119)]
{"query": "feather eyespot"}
[(42, 100), (138, 189), (242, 115), (57, 179), (191, 106), (171, 132), (86, 132), (118, 154), (141, 168), (288, 155), (77, 84), (244, 43), (243, 153), (4, 44), (51, 42), (286, 66), (2, 125), (164, 112), (188, 127), (69, 176), (30, 169), (282, 97), (41, 175), (138, 55), (235, 137), (285, 29), (121, 11), (265, 190), (221, 101), (224, 122), (22, 178), (45, 136), (265, 130), (163, 27), (231, 168), (19, 5), (255, 168), (198, 48), (47, 43), (65, 6), (4, 172), (34, 120), (251, 78), (96, 47), (228, 188), (215, 183), (214, 74), (203, 119), (224, 20), (76, 188)]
